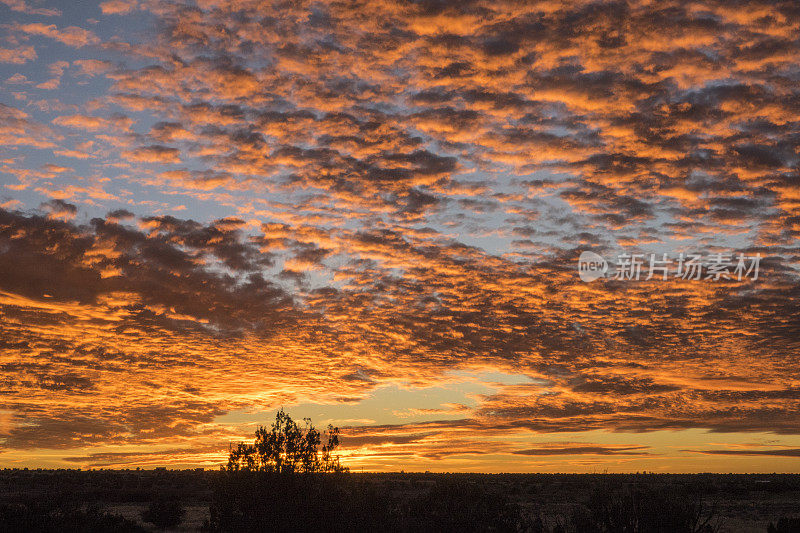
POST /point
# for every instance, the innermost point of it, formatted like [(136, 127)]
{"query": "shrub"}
[(462, 506), (48, 518), (258, 501), (786, 524), (164, 514), (632, 509)]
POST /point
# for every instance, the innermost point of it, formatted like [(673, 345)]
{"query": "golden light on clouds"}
[(371, 213)]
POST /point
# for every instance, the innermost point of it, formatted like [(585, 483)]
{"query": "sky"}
[(371, 213)]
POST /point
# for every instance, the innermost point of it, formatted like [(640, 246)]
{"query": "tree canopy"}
[(287, 448)]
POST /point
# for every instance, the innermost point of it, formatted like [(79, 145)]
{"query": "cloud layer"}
[(263, 204)]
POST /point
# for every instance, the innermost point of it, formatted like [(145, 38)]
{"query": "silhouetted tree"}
[(286, 448), (287, 480)]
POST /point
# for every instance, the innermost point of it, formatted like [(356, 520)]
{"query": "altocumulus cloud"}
[(399, 190)]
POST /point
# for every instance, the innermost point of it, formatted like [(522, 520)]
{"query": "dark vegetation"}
[(287, 449), (74, 500), (452, 503), (45, 516), (785, 525), (288, 480), (164, 514)]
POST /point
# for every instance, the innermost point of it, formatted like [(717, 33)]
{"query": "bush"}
[(631, 509), (44, 518), (786, 524), (461, 506), (257, 501), (164, 514)]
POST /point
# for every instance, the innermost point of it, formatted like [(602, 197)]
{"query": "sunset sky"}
[(370, 213)]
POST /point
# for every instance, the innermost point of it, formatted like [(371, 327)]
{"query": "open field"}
[(745, 503)]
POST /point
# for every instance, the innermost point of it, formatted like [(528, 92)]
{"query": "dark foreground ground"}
[(116, 500)]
